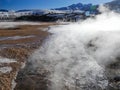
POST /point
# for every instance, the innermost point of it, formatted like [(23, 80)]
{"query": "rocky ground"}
[(17, 48)]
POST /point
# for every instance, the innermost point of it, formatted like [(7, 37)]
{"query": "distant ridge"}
[(79, 6), (3, 10)]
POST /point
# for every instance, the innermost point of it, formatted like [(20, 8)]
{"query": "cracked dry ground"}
[(19, 50)]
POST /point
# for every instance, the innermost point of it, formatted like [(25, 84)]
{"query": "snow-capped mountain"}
[(79, 6), (39, 11), (114, 5)]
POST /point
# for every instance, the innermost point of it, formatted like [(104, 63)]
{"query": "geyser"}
[(78, 55)]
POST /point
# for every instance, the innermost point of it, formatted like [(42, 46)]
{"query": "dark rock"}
[(117, 79)]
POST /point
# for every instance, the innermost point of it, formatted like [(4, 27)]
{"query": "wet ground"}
[(17, 43)]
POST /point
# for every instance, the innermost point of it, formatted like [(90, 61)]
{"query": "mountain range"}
[(113, 5), (79, 6)]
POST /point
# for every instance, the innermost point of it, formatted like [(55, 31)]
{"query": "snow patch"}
[(15, 37), (5, 69), (15, 24), (6, 60)]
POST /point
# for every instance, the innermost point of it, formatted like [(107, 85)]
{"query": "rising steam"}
[(77, 55)]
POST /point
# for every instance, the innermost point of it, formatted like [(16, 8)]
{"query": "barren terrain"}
[(17, 43)]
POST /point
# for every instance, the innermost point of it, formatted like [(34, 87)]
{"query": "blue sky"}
[(42, 4)]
